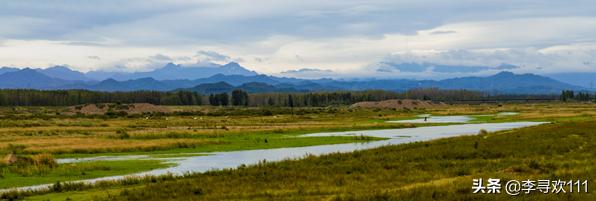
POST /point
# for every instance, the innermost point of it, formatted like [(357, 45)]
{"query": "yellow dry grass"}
[(92, 145), (68, 134)]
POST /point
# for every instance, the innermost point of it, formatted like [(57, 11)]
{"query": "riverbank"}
[(245, 130), (441, 169)]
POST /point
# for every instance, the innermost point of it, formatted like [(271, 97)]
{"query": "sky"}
[(304, 38)]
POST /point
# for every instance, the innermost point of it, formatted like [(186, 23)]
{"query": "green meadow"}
[(436, 170)]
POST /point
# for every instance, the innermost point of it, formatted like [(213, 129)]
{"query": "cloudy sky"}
[(341, 38)]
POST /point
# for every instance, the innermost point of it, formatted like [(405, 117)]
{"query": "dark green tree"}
[(290, 100), (239, 98), (213, 100), (567, 95), (223, 99)]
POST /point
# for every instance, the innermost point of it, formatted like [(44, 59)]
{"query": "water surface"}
[(435, 119), (233, 159)]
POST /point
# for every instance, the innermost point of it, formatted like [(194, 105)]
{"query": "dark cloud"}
[(272, 32), (150, 22)]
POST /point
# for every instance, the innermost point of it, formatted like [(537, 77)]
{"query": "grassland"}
[(437, 170), (220, 130), (44, 130), (190, 129), (26, 176), (205, 129)]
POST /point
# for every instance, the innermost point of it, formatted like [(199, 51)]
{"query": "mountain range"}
[(169, 72), (224, 78), (176, 72)]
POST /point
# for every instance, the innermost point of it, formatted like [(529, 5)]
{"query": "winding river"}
[(233, 159)]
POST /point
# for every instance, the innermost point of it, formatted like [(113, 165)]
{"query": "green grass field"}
[(437, 170), (76, 171), (442, 169)]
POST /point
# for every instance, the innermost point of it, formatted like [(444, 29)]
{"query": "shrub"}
[(44, 160)]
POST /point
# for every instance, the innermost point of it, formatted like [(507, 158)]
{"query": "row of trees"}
[(567, 95), (318, 99), (219, 99), (26, 97), (238, 98), (29, 97), (22, 97)]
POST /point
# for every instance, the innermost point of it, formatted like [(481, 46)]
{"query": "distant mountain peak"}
[(150, 79), (109, 80), (224, 78), (172, 71), (219, 75), (233, 67), (222, 83), (171, 65), (508, 74), (232, 64), (27, 70), (29, 78), (504, 74), (59, 67), (63, 72)]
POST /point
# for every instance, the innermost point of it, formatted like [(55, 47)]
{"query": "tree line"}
[(29, 97), (569, 95)]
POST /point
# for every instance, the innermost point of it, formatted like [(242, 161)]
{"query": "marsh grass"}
[(41, 130), (46, 129), (14, 176), (440, 169), (89, 145), (25, 165), (437, 170)]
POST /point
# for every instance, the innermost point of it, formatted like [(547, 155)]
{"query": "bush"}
[(44, 160), (31, 165)]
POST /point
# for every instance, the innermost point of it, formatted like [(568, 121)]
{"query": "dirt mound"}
[(103, 108), (91, 109), (398, 104)]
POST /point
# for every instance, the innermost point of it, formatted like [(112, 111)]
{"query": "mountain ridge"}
[(61, 77), (172, 71)]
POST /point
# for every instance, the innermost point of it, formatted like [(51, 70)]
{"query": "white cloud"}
[(566, 44), (309, 73), (348, 37)]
